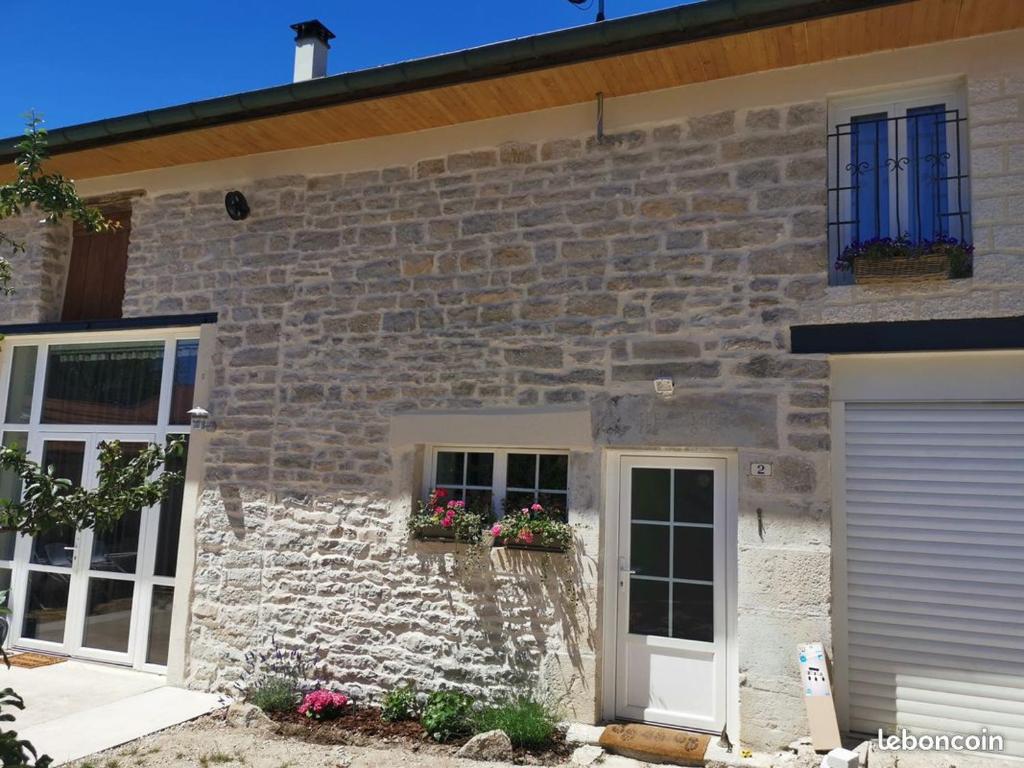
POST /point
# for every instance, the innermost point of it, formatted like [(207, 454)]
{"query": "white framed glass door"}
[(45, 565), (101, 595), (671, 645), (109, 579)]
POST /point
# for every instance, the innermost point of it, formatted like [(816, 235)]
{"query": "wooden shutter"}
[(935, 568), (99, 260)]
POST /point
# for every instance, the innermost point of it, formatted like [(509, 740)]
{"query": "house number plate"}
[(761, 470)]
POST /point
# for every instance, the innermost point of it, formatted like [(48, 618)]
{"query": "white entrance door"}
[(671, 642), (86, 593)]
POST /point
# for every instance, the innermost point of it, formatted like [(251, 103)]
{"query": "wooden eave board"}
[(894, 26)]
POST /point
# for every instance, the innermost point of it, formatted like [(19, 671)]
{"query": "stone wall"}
[(566, 273), (39, 270)]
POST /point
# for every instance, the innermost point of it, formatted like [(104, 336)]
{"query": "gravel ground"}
[(210, 743)]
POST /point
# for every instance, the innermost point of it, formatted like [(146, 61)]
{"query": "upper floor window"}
[(897, 169)]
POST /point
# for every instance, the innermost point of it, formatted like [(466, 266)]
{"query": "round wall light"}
[(237, 206)]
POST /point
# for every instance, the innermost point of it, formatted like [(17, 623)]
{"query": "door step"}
[(653, 744)]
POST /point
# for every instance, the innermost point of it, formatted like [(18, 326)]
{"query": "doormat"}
[(33, 660), (652, 744)]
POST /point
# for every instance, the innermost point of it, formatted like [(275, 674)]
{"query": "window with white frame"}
[(897, 168), (493, 480)]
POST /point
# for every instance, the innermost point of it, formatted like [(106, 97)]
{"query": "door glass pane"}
[(649, 550), (185, 356), (169, 526), (5, 585), (10, 490), (103, 383), (117, 549), (666, 556), (46, 606), (648, 607), (694, 496), (67, 457), (693, 612), (651, 494), (694, 555), (159, 625), (23, 377), (108, 615)]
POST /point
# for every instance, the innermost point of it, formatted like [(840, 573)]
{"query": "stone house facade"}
[(518, 287)]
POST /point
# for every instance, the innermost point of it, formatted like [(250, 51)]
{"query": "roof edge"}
[(657, 29)]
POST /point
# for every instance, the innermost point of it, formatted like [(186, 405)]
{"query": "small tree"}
[(50, 194), (49, 502)]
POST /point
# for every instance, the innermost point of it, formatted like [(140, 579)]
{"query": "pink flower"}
[(526, 537), (446, 523), (496, 529), (460, 504), (536, 508), (322, 704), (438, 511), (525, 511)]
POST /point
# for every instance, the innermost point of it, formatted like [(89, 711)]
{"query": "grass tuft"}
[(529, 723)]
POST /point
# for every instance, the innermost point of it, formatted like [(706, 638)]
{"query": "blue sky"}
[(84, 61)]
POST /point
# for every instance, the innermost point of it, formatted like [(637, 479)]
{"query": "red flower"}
[(440, 493)]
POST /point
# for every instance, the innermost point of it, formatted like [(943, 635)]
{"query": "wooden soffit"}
[(886, 27)]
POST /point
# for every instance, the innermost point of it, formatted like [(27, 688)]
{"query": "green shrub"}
[(399, 704), (528, 722), (273, 694), (448, 715)]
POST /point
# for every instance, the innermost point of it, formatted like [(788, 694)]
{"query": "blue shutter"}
[(869, 175), (927, 190)]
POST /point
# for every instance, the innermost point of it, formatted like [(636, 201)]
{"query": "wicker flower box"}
[(901, 260), (904, 269)]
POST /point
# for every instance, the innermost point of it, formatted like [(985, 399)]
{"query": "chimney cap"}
[(313, 28)]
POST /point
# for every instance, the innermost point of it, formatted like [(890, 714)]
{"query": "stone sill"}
[(855, 292)]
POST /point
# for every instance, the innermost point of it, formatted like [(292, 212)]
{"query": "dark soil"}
[(363, 727)]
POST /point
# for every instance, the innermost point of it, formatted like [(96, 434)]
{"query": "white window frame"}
[(39, 432), (499, 479), (895, 103)]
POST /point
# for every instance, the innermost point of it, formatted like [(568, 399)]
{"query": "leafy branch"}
[(51, 194), (124, 485)]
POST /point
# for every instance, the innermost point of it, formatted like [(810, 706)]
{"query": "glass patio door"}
[(48, 562), (85, 592)]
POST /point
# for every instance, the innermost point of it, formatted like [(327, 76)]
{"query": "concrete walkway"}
[(74, 709)]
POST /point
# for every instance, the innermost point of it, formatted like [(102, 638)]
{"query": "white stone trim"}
[(554, 429), (928, 376)]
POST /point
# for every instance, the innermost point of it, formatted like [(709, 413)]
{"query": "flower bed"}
[(534, 528), (362, 726)]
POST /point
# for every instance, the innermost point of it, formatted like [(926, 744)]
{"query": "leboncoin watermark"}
[(904, 741)]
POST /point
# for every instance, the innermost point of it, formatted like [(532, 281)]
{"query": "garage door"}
[(935, 568)]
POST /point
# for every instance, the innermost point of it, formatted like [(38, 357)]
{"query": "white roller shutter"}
[(935, 568)]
